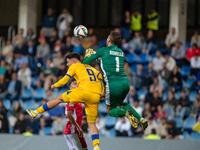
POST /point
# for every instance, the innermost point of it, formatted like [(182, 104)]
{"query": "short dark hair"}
[(71, 81), (153, 131), (74, 55), (115, 37)]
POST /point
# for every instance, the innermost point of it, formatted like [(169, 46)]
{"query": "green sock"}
[(127, 106), (117, 112)]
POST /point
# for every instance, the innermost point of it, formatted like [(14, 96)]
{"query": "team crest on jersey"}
[(70, 104)]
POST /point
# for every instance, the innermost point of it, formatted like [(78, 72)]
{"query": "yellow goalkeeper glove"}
[(89, 52)]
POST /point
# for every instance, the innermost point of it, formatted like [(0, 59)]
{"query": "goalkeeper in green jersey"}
[(115, 80)]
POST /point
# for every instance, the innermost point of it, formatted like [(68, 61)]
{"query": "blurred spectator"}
[(24, 75), (147, 110), (149, 42), (20, 125), (158, 61), (196, 127), (20, 48), (57, 47), (2, 108), (139, 75), (31, 52), (41, 36), (30, 36), (175, 78), (67, 47), (48, 75), (20, 59), (136, 20), (49, 95), (132, 96), (43, 51), (151, 125), (17, 110), (164, 76), (156, 86), (4, 128), (125, 25), (195, 64), (170, 62), (14, 88), (183, 105), (178, 52), (8, 48), (58, 126), (196, 85), (172, 131), (195, 39), (90, 41), (152, 136), (171, 39), (49, 22), (3, 86), (155, 101), (53, 113), (9, 72), (153, 19), (58, 60), (64, 22), (191, 51), (10, 59), (66, 34), (3, 68), (162, 130), (122, 127), (85, 125), (33, 124), (61, 71), (100, 124), (51, 40), (196, 105), (170, 104), (127, 69), (28, 131), (19, 37), (160, 113), (79, 48), (136, 42), (136, 106), (137, 132)]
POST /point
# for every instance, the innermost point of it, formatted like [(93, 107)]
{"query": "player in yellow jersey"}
[(88, 92)]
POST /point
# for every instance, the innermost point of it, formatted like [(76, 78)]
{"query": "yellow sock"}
[(40, 110), (95, 140)]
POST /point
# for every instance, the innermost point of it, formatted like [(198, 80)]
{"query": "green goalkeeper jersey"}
[(111, 62)]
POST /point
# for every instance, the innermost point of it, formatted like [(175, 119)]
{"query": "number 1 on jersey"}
[(117, 64)]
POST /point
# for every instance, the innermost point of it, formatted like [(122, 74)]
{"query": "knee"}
[(60, 98)]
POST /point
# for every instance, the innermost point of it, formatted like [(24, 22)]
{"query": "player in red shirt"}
[(73, 132)]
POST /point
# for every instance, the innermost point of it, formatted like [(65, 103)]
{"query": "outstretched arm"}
[(62, 81), (90, 58)]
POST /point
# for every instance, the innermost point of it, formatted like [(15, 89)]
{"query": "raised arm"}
[(91, 55)]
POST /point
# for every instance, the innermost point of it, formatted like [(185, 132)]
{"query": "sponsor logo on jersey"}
[(116, 53)]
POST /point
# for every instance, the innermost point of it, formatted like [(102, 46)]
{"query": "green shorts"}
[(116, 91)]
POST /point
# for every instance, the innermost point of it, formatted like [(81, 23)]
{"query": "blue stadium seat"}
[(178, 87), (47, 130), (179, 122), (34, 81), (29, 104), (195, 136), (178, 95), (153, 55), (189, 123), (189, 82), (56, 92), (143, 58), (131, 58), (102, 108), (112, 133), (133, 68), (165, 94), (110, 121), (7, 104), (78, 49), (102, 44), (26, 94), (62, 90), (162, 43), (156, 44), (185, 135), (163, 50), (11, 130), (145, 66), (141, 94), (185, 71), (192, 96), (137, 51), (9, 114), (39, 94), (187, 45)]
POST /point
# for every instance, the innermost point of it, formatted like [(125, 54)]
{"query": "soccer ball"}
[(80, 31)]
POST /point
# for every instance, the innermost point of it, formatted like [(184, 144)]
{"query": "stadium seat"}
[(185, 135), (34, 81), (189, 123), (11, 129), (178, 95), (195, 136), (133, 68), (9, 114), (163, 50), (141, 94), (153, 55), (137, 51), (62, 90), (56, 92), (47, 130), (145, 67), (192, 96), (143, 58), (29, 104), (162, 43), (178, 87), (131, 58), (185, 71), (189, 82), (165, 94), (39, 94), (102, 109), (7, 104), (112, 133), (26, 94), (179, 122), (187, 45), (110, 122), (102, 44)]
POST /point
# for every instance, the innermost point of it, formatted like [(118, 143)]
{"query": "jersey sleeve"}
[(98, 53), (70, 106)]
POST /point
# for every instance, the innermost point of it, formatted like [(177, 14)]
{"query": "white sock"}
[(35, 112), (96, 147)]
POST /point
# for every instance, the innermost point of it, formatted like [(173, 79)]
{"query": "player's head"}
[(73, 58), (114, 38), (73, 84)]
